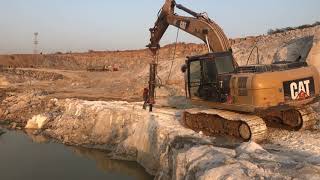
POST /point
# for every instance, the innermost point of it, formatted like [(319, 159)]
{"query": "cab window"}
[(224, 64), (194, 77)]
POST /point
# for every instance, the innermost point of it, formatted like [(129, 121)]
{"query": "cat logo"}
[(300, 90)]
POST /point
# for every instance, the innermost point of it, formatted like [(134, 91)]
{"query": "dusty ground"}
[(72, 84), (26, 92)]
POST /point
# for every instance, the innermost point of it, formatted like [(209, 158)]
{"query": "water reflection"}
[(36, 138), (109, 166), (26, 155)]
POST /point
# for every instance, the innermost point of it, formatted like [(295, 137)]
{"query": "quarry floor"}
[(102, 110), (74, 84)]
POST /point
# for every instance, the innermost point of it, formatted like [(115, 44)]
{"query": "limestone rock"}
[(230, 172), (249, 148), (162, 145), (37, 122)]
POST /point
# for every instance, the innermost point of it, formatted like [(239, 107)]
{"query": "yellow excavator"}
[(236, 101)]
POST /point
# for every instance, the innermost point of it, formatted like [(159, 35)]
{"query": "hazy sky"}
[(79, 25)]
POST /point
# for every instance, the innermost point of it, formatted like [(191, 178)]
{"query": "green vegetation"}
[(282, 30)]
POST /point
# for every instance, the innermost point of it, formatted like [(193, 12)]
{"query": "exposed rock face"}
[(3, 81), (268, 45), (281, 46), (37, 122), (80, 61), (296, 50), (314, 55), (33, 74), (160, 143), (21, 107)]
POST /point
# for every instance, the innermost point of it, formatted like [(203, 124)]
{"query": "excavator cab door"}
[(208, 76)]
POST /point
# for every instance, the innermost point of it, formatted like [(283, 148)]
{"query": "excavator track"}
[(299, 119), (247, 127), (309, 117), (220, 122)]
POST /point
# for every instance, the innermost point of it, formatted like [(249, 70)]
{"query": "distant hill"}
[(282, 30), (268, 45)]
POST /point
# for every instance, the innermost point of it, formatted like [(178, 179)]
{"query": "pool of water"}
[(28, 157)]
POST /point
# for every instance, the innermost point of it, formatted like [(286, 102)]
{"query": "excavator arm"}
[(199, 26)]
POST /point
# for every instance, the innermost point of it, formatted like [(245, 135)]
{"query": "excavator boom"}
[(199, 25)]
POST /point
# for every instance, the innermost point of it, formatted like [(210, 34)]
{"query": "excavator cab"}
[(208, 76)]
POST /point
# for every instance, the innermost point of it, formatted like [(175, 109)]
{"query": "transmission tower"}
[(35, 43)]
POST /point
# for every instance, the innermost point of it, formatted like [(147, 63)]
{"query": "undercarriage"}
[(247, 126)]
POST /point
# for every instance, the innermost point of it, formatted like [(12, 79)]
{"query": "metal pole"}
[(35, 42), (152, 84)]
